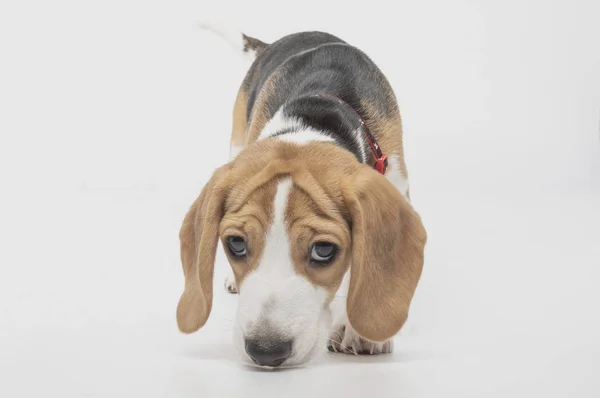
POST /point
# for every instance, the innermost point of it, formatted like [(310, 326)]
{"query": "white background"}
[(113, 114)]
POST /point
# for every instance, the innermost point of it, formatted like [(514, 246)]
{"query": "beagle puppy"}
[(316, 190)]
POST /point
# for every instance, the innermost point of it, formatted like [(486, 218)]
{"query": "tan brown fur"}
[(387, 256), (334, 198), (198, 240), (260, 114), (238, 131)]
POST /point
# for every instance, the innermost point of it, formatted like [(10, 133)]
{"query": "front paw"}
[(230, 285), (345, 340)]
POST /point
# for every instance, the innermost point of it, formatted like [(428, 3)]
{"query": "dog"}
[(316, 191)]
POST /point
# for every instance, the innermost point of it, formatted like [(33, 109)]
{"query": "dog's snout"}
[(268, 353)]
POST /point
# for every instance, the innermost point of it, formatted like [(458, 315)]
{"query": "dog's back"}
[(289, 57), (291, 75)]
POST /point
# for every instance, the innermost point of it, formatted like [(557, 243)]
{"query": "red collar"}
[(381, 162)]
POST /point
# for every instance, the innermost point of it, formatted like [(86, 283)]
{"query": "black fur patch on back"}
[(309, 64), (335, 120)]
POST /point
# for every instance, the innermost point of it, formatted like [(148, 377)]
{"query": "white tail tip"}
[(242, 43)]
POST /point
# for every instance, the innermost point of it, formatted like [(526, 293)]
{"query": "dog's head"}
[(293, 220)]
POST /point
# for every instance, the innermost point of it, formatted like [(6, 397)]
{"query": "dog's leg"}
[(230, 285), (345, 340)]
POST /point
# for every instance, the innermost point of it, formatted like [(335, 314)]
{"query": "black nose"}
[(268, 353)]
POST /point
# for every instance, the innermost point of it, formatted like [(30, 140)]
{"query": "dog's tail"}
[(247, 45)]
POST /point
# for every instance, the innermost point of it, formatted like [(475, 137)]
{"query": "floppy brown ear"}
[(198, 238), (388, 240)]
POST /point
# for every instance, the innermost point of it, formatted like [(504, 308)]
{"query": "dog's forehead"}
[(317, 172), (251, 208), (261, 200), (304, 197)]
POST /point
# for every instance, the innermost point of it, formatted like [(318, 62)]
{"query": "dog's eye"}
[(323, 252), (237, 246)]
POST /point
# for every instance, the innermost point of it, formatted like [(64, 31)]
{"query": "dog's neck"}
[(320, 118)]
